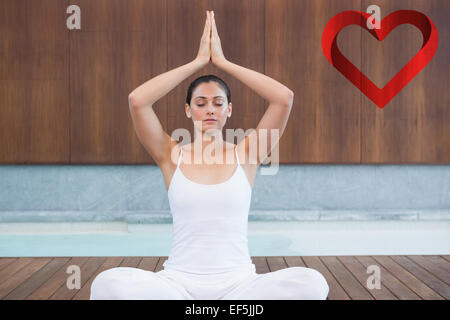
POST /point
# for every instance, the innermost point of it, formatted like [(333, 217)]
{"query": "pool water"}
[(274, 238)]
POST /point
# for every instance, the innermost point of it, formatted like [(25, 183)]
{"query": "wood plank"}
[(6, 261), (359, 271), (37, 90), (435, 265), (34, 82), (276, 263), (401, 277), (161, 261), (22, 275), (85, 292), (423, 275), (351, 285), (389, 281), (324, 124), (131, 262), (446, 257), (13, 267), (37, 279), (148, 263), (47, 289), (401, 132), (439, 260), (119, 47), (337, 292), (294, 261), (407, 278), (261, 264), (86, 270)]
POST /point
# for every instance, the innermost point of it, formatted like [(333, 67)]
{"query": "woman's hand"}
[(217, 55), (204, 52)]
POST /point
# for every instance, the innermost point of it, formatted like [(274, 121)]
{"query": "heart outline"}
[(380, 97)]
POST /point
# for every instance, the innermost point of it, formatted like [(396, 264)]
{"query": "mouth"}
[(210, 120)]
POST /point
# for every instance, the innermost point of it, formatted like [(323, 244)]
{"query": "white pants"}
[(293, 283)]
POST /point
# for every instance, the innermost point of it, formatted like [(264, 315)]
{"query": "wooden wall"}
[(63, 93)]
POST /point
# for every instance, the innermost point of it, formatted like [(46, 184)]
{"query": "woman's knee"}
[(104, 285), (293, 283), (123, 283), (312, 280)]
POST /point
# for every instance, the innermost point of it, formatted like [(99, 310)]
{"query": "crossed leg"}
[(294, 283), (126, 283)]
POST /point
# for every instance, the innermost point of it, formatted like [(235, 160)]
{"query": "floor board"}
[(411, 277)]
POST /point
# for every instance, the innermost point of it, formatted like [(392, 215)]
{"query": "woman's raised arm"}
[(145, 121), (279, 96), (154, 89)]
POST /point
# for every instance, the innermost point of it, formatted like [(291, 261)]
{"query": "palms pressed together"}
[(210, 45)]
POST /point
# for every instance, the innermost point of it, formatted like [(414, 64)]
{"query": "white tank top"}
[(209, 224)]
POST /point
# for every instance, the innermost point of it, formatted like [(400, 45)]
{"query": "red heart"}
[(380, 96)]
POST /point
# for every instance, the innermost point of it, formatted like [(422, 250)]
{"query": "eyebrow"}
[(205, 97)]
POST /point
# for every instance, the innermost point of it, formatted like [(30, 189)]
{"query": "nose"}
[(210, 108)]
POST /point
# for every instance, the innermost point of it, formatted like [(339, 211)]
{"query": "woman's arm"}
[(156, 88), (149, 130), (268, 88), (279, 96), (145, 121), (273, 123)]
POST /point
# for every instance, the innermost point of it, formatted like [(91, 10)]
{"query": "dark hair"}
[(207, 78)]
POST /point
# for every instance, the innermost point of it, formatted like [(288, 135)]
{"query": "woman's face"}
[(209, 100)]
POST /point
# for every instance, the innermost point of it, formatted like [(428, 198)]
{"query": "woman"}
[(209, 258)]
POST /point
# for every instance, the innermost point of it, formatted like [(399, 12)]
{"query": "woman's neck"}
[(206, 140)]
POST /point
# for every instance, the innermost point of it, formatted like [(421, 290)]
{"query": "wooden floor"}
[(412, 277)]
